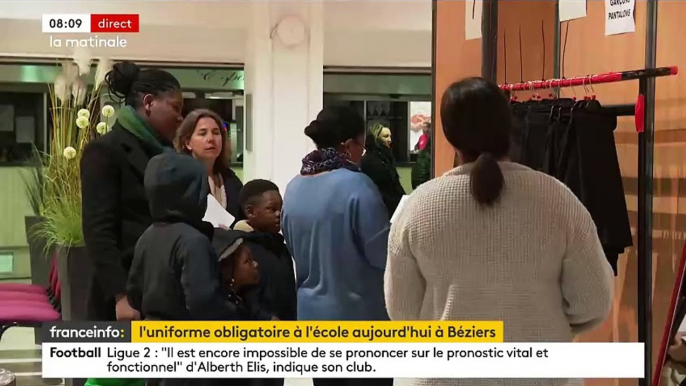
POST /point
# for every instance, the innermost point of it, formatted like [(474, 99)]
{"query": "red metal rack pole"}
[(590, 80)]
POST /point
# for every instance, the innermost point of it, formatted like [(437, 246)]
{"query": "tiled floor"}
[(20, 355)]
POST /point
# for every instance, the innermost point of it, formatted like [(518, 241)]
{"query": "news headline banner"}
[(321, 350), (270, 332)]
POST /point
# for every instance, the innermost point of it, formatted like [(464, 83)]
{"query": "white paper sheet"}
[(619, 17), (572, 9), (473, 12), (399, 208), (217, 215)]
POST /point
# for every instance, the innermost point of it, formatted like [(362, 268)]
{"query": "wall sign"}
[(572, 9), (472, 19), (209, 79), (619, 16)]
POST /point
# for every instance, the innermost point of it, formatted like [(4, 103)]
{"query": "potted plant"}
[(75, 118)]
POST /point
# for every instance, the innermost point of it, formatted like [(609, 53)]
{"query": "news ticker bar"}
[(271, 332), (342, 360), (90, 23)]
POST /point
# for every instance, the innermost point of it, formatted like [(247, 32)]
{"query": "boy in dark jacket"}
[(276, 293), (175, 272)]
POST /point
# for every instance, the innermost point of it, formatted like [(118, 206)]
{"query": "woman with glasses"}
[(336, 226)]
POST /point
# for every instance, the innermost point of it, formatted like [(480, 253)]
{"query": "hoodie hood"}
[(226, 241), (176, 187)]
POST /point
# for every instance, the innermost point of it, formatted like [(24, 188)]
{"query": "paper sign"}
[(619, 16), (217, 215), (572, 9), (473, 12), (399, 208)]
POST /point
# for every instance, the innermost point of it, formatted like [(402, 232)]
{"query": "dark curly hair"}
[(128, 83)]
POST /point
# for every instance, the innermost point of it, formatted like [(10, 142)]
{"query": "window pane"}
[(21, 120)]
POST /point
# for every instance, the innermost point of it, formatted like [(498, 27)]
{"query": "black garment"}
[(115, 213), (232, 188), (537, 123), (352, 382), (582, 154), (276, 293), (175, 271), (518, 135), (379, 166)]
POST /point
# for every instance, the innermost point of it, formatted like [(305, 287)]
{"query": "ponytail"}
[(486, 180)]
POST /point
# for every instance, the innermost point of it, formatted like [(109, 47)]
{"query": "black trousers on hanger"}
[(353, 382)]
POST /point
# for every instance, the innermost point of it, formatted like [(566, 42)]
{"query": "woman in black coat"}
[(115, 210), (379, 165), (202, 135)]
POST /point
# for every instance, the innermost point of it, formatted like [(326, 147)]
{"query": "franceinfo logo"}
[(66, 332)]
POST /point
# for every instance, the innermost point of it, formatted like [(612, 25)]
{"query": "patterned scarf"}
[(326, 160)]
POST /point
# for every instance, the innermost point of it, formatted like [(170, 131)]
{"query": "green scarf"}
[(129, 119)]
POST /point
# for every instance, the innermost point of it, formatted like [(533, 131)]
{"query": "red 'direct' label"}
[(114, 23)]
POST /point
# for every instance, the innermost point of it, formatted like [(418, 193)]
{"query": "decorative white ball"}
[(82, 122), (69, 152), (101, 128), (108, 111)]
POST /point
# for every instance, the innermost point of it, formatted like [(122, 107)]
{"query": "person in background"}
[(378, 164), (421, 171), (202, 135), (495, 240), (175, 270), (336, 227), (262, 203), (115, 209)]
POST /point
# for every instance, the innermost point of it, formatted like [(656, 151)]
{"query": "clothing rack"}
[(646, 150), (590, 80)]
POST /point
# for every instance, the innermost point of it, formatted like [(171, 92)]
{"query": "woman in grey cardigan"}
[(494, 240)]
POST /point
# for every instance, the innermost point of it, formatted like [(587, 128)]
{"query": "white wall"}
[(371, 33)]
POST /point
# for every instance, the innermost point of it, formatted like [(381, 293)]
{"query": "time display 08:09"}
[(69, 23)]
